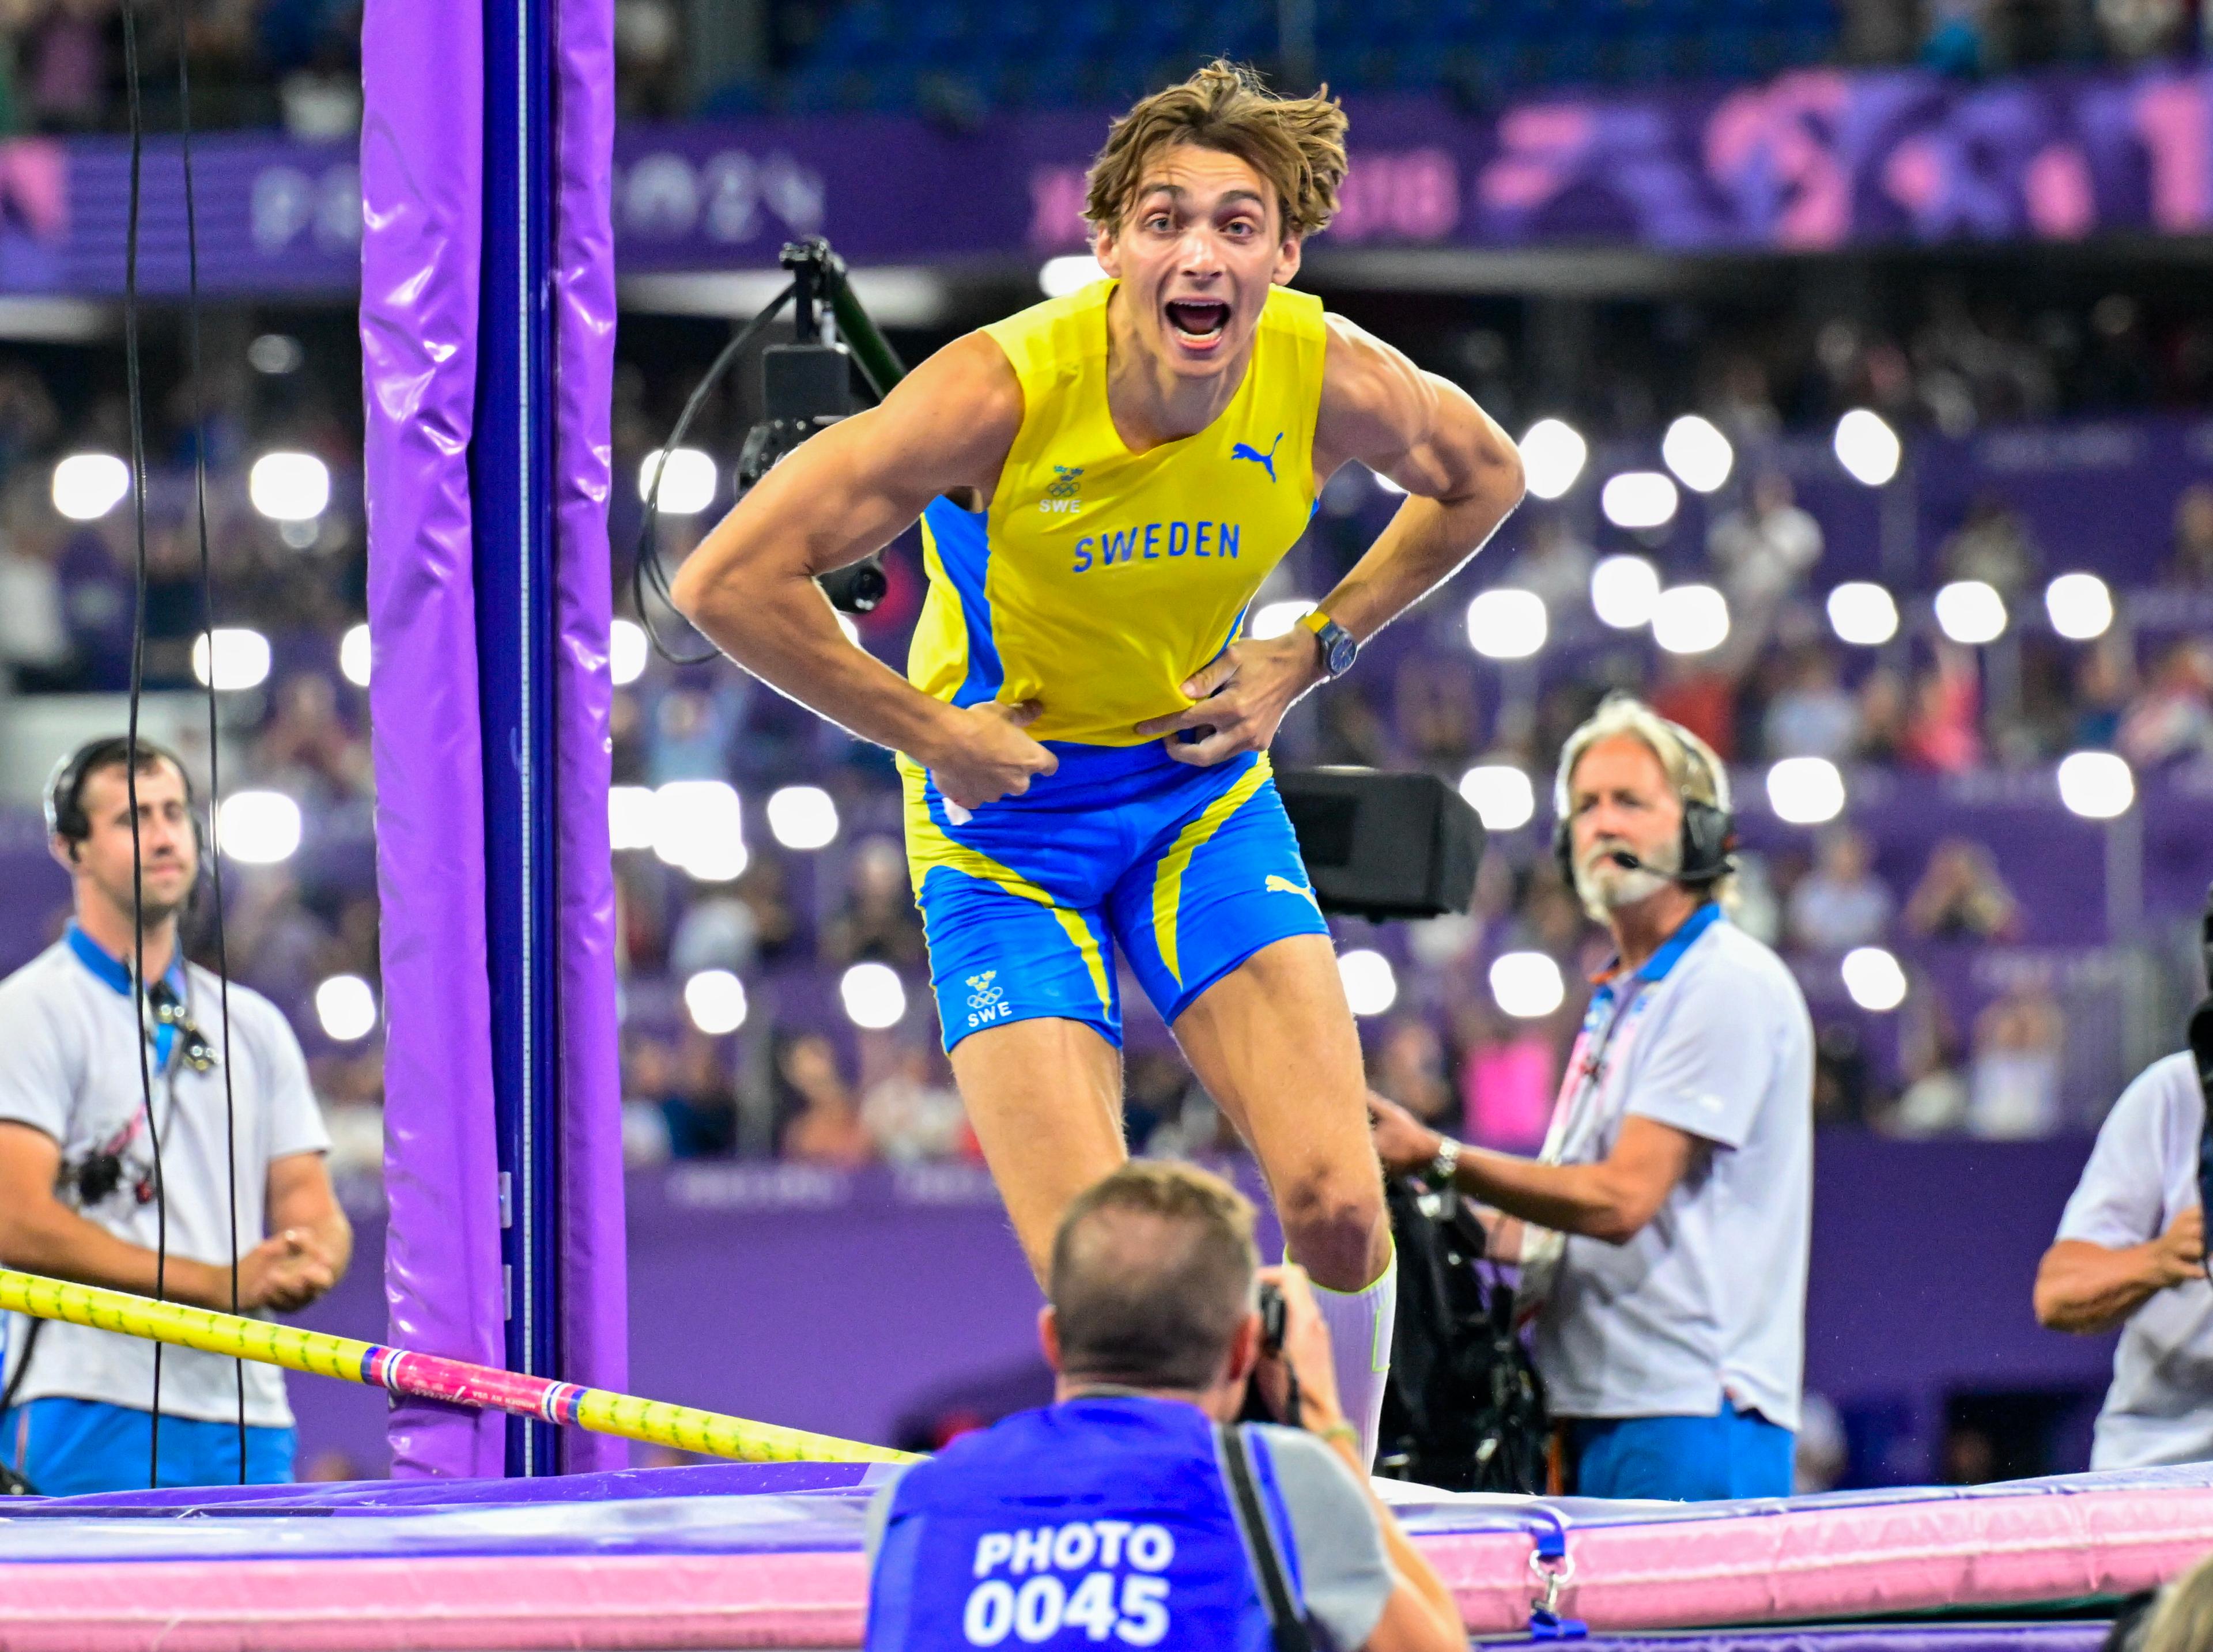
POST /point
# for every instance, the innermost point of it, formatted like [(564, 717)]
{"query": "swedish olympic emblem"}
[(984, 990)]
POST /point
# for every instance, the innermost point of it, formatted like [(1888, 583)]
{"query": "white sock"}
[(1360, 1325)]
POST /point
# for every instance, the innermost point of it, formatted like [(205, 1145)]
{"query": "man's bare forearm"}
[(1569, 1199), (780, 627), (62, 1245), (2086, 1289), (1424, 544)]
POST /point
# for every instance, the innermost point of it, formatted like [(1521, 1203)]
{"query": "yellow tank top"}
[(1098, 579)]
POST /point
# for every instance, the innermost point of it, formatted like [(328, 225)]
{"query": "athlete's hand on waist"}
[(986, 756), (1242, 694)]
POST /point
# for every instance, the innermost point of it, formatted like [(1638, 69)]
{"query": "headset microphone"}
[(1625, 860)]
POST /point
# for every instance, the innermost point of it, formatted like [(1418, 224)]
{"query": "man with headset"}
[(83, 1194), (1663, 1235)]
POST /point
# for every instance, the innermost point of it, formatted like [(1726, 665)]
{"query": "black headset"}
[(1707, 852), (64, 797)]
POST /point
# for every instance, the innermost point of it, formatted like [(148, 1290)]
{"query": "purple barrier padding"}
[(422, 144), (594, 1292)]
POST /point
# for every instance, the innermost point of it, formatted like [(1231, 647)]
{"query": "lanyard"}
[(1587, 1073), (117, 975)]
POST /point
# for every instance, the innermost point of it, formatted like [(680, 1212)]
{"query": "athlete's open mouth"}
[(1198, 322)]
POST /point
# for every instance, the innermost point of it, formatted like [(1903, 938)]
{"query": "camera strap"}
[(1287, 1624)]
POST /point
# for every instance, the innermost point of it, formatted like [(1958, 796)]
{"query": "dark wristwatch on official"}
[(1339, 649), (1438, 1172)]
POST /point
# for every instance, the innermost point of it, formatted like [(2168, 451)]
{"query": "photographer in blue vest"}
[(1135, 1509)]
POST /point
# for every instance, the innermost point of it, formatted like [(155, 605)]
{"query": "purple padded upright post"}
[(593, 1278), (422, 176)]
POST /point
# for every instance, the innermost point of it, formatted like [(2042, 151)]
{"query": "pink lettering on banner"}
[(35, 183), (1414, 195), (2063, 204), (2177, 128), (1057, 195), (1774, 148), (1541, 148), (1913, 176)]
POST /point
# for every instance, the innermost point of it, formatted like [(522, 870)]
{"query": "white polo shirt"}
[(1709, 1299), (69, 1066), (2141, 1174)]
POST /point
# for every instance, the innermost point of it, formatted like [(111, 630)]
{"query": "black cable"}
[(213, 849), (645, 570), (140, 993)]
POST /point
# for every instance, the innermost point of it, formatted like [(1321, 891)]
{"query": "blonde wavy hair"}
[(1296, 143)]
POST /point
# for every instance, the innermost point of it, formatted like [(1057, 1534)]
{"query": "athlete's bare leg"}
[(1274, 1043), (1045, 1097)]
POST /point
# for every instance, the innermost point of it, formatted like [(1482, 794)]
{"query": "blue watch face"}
[(1339, 650)]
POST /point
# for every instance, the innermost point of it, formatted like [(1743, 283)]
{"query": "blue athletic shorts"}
[(72, 1447), (1189, 871), (1732, 1454)]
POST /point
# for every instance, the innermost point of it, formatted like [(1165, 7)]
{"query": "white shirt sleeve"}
[(296, 1122), (1708, 1066), (38, 1079), (2121, 1199)]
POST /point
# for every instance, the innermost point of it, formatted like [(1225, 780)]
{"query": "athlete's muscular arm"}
[(842, 494), (1462, 475)]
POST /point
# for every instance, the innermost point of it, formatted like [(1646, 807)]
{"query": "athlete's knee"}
[(1334, 1224)]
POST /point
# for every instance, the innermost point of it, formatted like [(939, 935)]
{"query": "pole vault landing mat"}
[(745, 1555)]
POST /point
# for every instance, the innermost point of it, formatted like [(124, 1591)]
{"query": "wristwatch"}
[(1339, 649), (1439, 1175)]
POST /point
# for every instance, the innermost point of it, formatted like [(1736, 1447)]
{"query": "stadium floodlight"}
[(1806, 790), (1526, 984), (626, 652), (1623, 590), (1863, 613), (2081, 607), (1690, 619), (688, 481), (698, 826), (258, 828), (1553, 453), (631, 812), (1501, 794), (1868, 448), (874, 996), (1059, 277), (354, 656), (1639, 499), (802, 817), (1699, 455), (1371, 985), (1873, 978), (1506, 623), (1276, 618), (346, 1006), (715, 999), (236, 656), (289, 487), (1970, 611), (2096, 785), (88, 486)]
